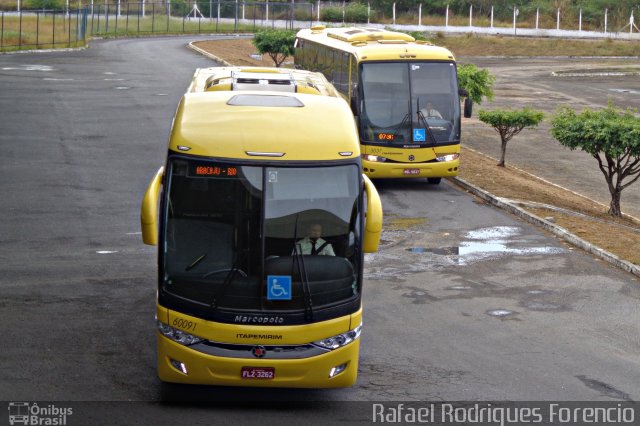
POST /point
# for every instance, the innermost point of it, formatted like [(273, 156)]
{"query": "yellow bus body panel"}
[(310, 372), (247, 334), (207, 369), (372, 44), (422, 161), (205, 124)]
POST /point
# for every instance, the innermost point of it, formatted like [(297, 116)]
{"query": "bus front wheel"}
[(434, 181)]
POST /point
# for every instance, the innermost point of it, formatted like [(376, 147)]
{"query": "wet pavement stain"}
[(403, 223), (604, 389), (476, 245), (503, 314), (419, 296)]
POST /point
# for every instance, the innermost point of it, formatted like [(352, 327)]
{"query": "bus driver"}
[(430, 111), (313, 244)]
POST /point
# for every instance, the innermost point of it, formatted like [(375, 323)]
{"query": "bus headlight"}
[(448, 157), (340, 340), (373, 158), (178, 336)]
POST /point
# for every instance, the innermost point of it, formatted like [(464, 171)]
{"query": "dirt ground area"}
[(551, 181)]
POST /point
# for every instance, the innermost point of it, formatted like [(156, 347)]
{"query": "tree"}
[(278, 44), (510, 123), (611, 136), (478, 82)]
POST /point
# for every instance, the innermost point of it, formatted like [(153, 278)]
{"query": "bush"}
[(356, 12), (44, 4), (331, 14)]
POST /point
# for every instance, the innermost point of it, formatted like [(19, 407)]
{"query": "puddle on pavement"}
[(475, 246), (500, 313), (488, 242)]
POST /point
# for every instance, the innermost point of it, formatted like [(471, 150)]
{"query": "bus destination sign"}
[(212, 170)]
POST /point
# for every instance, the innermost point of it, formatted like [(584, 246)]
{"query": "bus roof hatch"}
[(281, 82)]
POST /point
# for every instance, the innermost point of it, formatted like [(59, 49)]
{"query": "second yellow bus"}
[(404, 94)]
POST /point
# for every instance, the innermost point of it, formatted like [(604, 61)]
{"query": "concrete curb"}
[(555, 229), (628, 216), (208, 55)]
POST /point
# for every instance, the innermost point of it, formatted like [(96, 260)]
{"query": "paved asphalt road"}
[(463, 302)]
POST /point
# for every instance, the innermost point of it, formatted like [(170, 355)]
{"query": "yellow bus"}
[(252, 172), (404, 94)]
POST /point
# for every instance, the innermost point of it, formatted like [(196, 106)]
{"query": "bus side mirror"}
[(468, 105), (149, 210), (373, 218), (354, 105)]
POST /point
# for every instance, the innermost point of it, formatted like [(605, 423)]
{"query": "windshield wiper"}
[(304, 278), (403, 123), (195, 262), (306, 291), (219, 294)]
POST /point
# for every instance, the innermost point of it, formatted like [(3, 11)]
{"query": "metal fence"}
[(42, 29)]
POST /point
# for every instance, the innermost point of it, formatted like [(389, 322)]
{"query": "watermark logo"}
[(30, 413)]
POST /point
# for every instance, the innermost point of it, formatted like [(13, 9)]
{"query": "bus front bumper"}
[(376, 170), (180, 364)]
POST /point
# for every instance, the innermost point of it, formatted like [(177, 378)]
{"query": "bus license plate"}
[(261, 373), (411, 171)]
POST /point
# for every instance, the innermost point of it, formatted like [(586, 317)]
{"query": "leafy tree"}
[(278, 44), (611, 136), (510, 123), (478, 82)]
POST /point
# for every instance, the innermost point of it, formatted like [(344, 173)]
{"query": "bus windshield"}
[(410, 103), (229, 227)]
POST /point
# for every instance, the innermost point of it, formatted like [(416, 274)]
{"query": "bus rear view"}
[(259, 217)]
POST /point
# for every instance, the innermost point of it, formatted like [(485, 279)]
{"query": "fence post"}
[(537, 17), (606, 11), (471, 15), (343, 12), (420, 14), (394, 13), (580, 21), (446, 17), (558, 20), (368, 12), (515, 15), (491, 16), (18, 9)]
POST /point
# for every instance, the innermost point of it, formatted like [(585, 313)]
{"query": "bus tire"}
[(434, 181)]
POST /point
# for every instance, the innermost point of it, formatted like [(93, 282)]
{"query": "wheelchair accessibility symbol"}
[(419, 135), (278, 287)]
